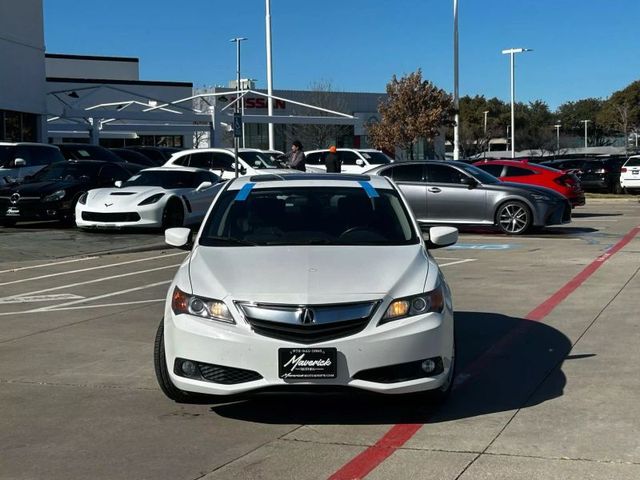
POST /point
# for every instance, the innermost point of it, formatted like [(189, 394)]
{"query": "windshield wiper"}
[(231, 241)]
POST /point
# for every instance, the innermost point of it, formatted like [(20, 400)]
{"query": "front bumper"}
[(34, 209), (140, 217), (239, 347)]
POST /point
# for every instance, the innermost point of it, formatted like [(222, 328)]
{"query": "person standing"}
[(296, 157), (332, 161)]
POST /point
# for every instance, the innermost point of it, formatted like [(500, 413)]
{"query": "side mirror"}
[(360, 162), (117, 183), (20, 162), (203, 186), (470, 182), (84, 178), (178, 237), (442, 237)]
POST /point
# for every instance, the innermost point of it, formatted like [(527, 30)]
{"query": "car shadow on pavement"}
[(590, 215), (502, 362)]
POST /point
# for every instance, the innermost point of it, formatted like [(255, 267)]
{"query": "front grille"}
[(227, 375), (288, 322), (111, 217)]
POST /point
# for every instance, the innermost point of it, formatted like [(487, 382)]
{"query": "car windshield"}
[(6, 155), (376, 158), (164, 179), (63, 171), (308, 216), (258, 159), (480, 175), (632, 162)]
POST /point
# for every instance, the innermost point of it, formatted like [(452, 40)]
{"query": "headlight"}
[(539, 196), (151, 199), (432, 301), (83, 199), (182, 302), (55, 196)]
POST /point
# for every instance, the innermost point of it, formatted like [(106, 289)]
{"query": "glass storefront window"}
[(18, 126)]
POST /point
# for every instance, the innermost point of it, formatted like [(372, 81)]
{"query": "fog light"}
[(189, 368), (51, 213), (427, 366)]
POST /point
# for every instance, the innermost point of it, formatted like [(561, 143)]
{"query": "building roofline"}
[(119, 82), (100, 58)]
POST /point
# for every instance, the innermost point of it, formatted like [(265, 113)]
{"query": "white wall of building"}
[(22, 72)]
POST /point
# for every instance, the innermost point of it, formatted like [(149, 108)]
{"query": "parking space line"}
[(64, 306), (99, 267), (465, 260), (84, 259), (107, 305), (39, 298), (87, 282), (368, 460)]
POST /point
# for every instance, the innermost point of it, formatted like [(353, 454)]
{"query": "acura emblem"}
[(108, 204), (308, 316), (14, 198)]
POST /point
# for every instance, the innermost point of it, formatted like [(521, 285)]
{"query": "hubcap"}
[(513, 218)]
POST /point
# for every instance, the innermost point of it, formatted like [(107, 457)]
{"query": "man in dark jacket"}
[(332, 161)]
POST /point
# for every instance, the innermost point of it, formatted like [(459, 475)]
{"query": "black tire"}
[(173, 214), (162, 373), (615, 187), (513, 218), (69, 219)]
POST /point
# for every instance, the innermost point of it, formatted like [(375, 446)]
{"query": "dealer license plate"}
[(13, 212), (307, 363)]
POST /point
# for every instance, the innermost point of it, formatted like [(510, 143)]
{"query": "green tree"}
[(621, 111), (414, 109)]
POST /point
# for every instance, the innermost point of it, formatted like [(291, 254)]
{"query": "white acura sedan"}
[(298, 280), (153, 198)]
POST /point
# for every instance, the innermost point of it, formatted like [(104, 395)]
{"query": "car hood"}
[(117, 197), (530, 188), (303, 275), (36, 189)]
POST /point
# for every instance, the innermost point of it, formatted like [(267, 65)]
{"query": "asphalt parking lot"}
[(547, 383)]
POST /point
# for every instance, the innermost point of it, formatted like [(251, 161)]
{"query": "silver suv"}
[(18, 160)]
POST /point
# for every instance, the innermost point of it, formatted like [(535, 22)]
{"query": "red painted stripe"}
[(373, 456), (361, 465)]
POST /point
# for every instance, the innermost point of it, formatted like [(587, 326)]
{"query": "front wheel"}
[(162, 373), (514, 218), (172, 215)]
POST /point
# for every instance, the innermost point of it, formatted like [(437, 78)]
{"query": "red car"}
[(521, 171)]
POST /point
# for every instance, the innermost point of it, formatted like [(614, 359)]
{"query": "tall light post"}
[(557, 127), (456, 93), (269, 73), (485, 113), (237, 41), (586, 138), (511, 52)]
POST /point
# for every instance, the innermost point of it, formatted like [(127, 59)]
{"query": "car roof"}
[(175, 169), (35, 144), (299, 179), (216, 149)]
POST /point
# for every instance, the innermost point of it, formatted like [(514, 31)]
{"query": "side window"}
[(109, 174), (495, 170), (200, 160), (46, 155), (27, 155), (408, 173), (443, 174), (348, 158), (518, 172), (314, 158), (183, 161), (222, 161)]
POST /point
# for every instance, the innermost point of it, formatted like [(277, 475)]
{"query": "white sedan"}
[(154, 198), (303, 280)]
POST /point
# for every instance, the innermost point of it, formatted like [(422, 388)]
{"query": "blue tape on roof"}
[(371, 192), (244, 192)]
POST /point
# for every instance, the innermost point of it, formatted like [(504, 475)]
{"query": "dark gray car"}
[(456, 193)]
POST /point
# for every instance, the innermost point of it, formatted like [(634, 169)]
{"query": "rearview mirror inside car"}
[(440, 237), (178, 237)]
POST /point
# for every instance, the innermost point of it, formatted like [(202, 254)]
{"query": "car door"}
[(411, 181), (450, 200), (349, 160), (200, 201)]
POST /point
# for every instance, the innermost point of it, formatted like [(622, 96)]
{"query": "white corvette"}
[(154, 198)]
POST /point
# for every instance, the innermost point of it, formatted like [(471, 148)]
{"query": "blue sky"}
[(582, 48)]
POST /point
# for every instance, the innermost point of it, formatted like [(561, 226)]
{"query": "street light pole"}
[(586, 122), (269, 75), (456, 93), (486, 112), (511, 52), (237, 41), (557, 127)]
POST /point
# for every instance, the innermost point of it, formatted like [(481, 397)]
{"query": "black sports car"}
[(52, 193), (83, 151)]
